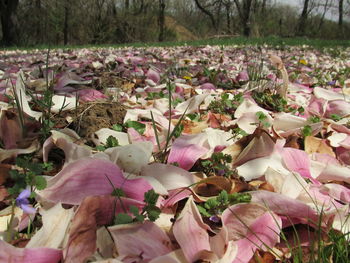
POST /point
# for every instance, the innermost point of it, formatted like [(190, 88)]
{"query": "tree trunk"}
[(161, 20), (66, 18), (208, 13), (8, 21), (247, 4), (244, 13), (263, 7), (127, 5), (228, 17), (325, 7), (38, 31), (303, 19), (340, 18)]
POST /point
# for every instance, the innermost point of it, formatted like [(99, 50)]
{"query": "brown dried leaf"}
[(317, 145)]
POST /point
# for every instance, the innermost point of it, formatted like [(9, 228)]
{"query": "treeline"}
[(57, 22)]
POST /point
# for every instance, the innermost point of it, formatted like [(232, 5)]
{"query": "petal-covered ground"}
[(179, 154)]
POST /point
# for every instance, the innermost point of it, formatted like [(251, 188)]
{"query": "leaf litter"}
[(179, 154)]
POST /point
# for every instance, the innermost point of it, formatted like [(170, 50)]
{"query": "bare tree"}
[(8, 21), (325, 8), (161, 20), (244, 9), (65, 24), (303, 19), (340, 17), (206, 11)]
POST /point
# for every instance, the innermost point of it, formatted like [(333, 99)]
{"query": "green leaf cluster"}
[(138, 126), (111, 142), (224, 105), (216, 205), (262, 119), (150, 211), (217, 164), (270, 101), (28, 175)]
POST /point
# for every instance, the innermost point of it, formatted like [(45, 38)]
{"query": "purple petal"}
[(24, 194), (28, 209)]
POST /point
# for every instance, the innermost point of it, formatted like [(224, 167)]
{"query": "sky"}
[(331, 14)]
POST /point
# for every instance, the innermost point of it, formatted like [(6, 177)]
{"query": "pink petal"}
[(343, 155), (140, 242), (334, 173), (317, 106), (153, 75), (285, 206), (186, 153), (191, 232), (88, 176), (70, 78), (23, 255), (90, 95), (93, 212), (338, 107), (337, 191), (175, 177), (242, 76), (252, 226), (209, 86), (175, 196), (298, 161), (264, 231)]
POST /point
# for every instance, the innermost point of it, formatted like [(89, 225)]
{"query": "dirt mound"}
[(182, 33), (88, 118)]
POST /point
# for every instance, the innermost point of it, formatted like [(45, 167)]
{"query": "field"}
[(215, 151)]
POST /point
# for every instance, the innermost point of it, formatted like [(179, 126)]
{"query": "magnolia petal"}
[(256, 168), (140, 241), (70, 78), (336, 138), (62, 103), (153, 75), (131, 158), (5, 218), (249, 106), (191, 232), (6, 154), (186, 150), (260, 146), (93, 212), (284, 122), (175, 256), (238, 219), (337, 191), (253, 227), (334, 173), (297, 161), (22, 255), (104, 133), (285, 206), (54, 229), (65, 139), (338, 107), (170, 176), (191, 105), (78, 180), (341, 221), (20, 91), (290, 184), (176, 195), (104, 243), (90, 95), (329, 94)]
